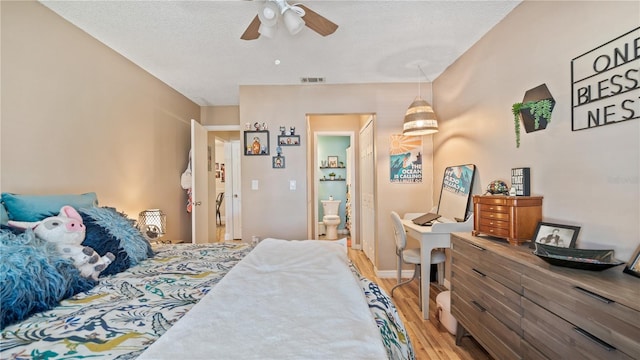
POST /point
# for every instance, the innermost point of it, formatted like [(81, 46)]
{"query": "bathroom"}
[(335, 160)]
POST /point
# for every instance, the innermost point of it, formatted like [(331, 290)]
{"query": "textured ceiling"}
[(195, 46)]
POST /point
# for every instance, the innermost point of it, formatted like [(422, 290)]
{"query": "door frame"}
[(316, 182), (233, 218)]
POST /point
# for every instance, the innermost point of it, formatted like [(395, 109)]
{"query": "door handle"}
[(235, 195), (198, 203)]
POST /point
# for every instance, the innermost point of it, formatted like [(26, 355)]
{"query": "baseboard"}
[(391, 274)]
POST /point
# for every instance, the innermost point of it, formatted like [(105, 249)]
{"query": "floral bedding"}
[(128, 311)]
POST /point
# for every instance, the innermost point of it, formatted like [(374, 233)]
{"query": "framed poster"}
[(256, 142), (405, 159)]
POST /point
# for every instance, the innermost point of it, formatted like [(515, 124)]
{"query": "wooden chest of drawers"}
[(509, 217), (519, 307)]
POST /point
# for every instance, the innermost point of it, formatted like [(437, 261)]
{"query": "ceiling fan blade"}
[(252, 30), (317, 22)]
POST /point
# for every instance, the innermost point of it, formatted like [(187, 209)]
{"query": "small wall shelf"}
[(333, 180), (338, 167)]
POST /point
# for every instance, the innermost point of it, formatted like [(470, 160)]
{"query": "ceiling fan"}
[(294, 17)]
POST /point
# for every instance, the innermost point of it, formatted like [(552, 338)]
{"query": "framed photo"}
[(332, 161), (633, 266), (289, 140), (277, 162), (555, 234), (256, 142)]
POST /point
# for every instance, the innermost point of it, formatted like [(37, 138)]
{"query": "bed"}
[(282, 299)]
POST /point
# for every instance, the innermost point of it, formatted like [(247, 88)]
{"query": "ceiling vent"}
[(312, 80)]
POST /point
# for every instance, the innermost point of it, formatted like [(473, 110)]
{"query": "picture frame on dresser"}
[(633, 266), (555, 234)]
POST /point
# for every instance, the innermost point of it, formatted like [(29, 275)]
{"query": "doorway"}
[(340, 125), (224, 183)]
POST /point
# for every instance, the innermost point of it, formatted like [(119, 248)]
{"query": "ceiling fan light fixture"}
[(420, 119), (268, 15), (267, 31), (292, 21)]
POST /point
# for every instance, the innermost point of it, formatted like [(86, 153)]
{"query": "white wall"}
[(588, 178)]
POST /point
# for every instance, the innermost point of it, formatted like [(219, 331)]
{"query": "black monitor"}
[(455, 194)]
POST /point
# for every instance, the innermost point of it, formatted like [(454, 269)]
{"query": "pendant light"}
[(420, 118)]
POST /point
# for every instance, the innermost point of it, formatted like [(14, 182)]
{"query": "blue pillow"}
[(117, 228), (38, 207), (34, 277), (3, 215), (98, 238)]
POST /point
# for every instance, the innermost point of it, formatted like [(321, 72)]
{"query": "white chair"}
[(410, 256)]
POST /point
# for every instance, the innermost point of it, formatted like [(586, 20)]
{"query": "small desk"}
[(431, 237)]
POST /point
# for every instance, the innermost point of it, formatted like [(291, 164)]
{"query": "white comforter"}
[(284, 300)]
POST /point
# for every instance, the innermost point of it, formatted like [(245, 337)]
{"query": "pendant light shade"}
[(420, 119)]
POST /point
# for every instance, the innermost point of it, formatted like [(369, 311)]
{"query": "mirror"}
[(456, 191)]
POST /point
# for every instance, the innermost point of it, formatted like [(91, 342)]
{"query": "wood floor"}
[(429, 338)]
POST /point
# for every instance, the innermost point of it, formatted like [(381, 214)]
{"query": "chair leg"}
[(416, 274)]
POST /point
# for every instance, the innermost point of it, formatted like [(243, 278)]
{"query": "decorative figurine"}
[(283, 130), (279, 150), (255, 148), (292, 130)]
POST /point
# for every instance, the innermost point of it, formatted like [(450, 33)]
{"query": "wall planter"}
[(534, 110)]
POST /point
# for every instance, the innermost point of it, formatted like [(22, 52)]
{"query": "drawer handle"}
[(477, 247), (479, 272), (594, 339), (480, 307), (594, 295)]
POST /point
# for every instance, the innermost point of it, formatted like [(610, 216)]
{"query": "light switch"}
[(292, 184), (254, 184)]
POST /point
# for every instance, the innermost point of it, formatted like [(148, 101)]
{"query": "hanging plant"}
[(539, 109)]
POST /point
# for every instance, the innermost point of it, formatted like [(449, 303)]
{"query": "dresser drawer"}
[(499, 268), (529, 352), (494, 208), (494, 216), (612, 323), (494, 223), (494, 231), (472, 284), (490, 200), (560, 339), (494, 336)]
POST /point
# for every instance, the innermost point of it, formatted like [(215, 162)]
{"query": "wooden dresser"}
[(509, 217), (519, 307)]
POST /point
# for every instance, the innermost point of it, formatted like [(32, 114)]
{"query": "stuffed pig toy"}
[(67, 232)]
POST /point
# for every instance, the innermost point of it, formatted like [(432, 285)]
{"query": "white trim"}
[(222, 127), (447, 284), (392, 274)]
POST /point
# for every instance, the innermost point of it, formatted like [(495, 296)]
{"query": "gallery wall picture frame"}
[(289, 140), (332, 161), (633, 266), (256, 142), (277, 162), (555, 234)]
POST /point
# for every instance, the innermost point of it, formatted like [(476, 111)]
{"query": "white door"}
[(232, 198), (199, 185), (367, 193)]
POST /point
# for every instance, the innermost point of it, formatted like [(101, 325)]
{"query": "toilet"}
[(331, 218)]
